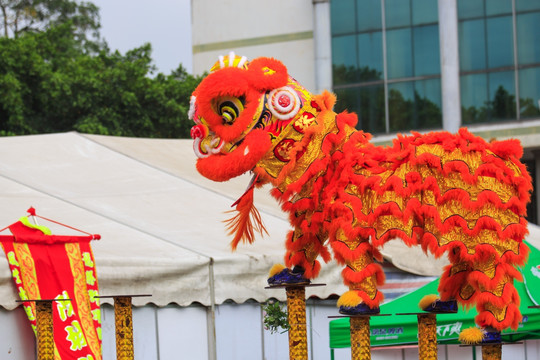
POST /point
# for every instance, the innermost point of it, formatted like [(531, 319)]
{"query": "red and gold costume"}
[(449, 193)]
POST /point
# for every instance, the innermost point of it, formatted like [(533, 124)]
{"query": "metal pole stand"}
[(123, 321), (492, 351), (427, 336), (360, 335), (44, 330), (427, 333), (296, 316), (44, 327)]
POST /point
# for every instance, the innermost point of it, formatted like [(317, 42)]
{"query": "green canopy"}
[(403, 329)]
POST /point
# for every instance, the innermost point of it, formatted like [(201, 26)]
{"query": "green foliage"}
[(22, 16), (274, 317), (48, 83)]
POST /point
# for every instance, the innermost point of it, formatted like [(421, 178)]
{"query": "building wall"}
[(281, 29)]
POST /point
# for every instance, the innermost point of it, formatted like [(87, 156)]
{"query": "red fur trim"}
[(507, 148), (312, 268), (326, 100), (267, 73), (512, 319), (450, 285), (227, 82), (372, 303), (344, 254), (351, 277), (509, 295), (479, 279)]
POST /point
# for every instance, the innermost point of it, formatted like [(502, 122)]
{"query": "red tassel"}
[(247, 220)]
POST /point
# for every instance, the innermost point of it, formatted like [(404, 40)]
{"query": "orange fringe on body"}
[(247, 220)]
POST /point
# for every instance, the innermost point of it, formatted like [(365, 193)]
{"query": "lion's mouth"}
[(240, 158)]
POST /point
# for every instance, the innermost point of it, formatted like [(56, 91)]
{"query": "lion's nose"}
[(205, 142)]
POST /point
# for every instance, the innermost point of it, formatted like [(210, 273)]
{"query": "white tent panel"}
[(161, 234)]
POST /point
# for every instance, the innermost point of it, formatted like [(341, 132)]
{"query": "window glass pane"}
[(344, 61), (424, 12), (401, 106), (426, 50), (523, 5), (368, 14), (502, 96), (398, 13), (500, 46), (342, 17), (367, 103), (472, 54), (470, 8), (528, 30), (473, 98), (529, 92), (399, 53), (370, 55), (428, 102), (498, 7)]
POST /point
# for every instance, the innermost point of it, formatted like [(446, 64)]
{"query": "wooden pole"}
[(427, 336), (296, 315), (44, 330), (360, 342), (124, 328)]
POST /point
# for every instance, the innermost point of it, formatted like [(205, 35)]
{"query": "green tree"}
[(49, 84), (21, 16)]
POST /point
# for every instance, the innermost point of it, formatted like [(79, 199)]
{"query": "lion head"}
[(240, 110)]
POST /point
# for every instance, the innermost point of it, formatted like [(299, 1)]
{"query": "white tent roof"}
[(161, 222)]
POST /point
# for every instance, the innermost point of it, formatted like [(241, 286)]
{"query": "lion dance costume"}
[(449, 193)]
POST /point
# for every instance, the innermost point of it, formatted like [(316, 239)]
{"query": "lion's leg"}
[(361, 274), (497, 300), (453, 283), (302, 252), (300, 260)]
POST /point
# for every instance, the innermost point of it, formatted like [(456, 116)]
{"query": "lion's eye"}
[(230, 108)]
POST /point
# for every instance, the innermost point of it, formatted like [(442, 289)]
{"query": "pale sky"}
[(166, 24)]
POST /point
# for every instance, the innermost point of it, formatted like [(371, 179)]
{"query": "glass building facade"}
[(386, 62)]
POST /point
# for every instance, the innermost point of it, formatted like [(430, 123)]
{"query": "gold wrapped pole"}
[(123, 321), (427, 336), (360, 342), (44, 330), (492, 351), (124, 328), (296, 315)]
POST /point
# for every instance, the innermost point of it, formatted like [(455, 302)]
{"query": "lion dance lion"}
[(449, 193)]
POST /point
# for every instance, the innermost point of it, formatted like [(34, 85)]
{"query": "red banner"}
[(46, 267)]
